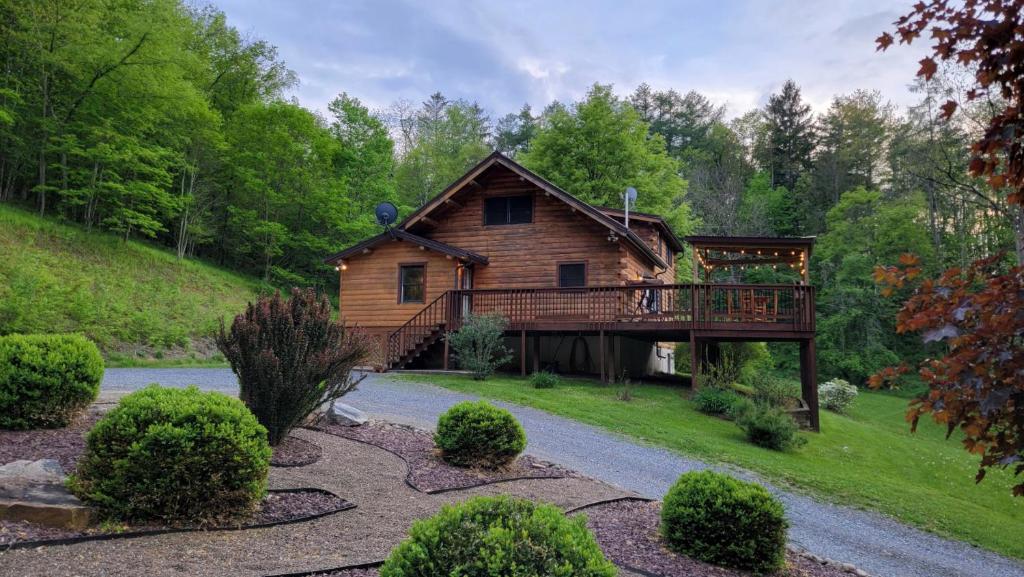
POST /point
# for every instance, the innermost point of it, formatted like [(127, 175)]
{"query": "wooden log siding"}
[(369, 288), (525, 255)]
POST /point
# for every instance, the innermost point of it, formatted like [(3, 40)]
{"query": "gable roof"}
[(498, 158), (660, 223), (398, 234)]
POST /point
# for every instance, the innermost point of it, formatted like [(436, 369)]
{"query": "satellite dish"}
[(386, 213)]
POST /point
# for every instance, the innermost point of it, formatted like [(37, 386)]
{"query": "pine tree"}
[(790, 136)]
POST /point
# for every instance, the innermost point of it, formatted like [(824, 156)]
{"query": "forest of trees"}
[(156, 119)]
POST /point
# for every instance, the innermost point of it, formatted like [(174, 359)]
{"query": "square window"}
[(508, 210), (411, 284), (572, 274)]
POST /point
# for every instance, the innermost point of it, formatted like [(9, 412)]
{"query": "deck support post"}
[(522, 352), (536, 352), (600, 355), (694, 362), (809, 380)]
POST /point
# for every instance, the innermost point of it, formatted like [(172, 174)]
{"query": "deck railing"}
[(764, 308), (781, 307)]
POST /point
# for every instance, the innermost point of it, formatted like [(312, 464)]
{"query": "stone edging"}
[(150, 532), (408, 469)]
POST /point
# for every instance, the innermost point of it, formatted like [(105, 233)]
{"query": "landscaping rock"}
[(34, 491), (345, 415)]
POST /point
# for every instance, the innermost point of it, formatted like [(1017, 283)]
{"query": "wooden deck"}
[(664, 312)]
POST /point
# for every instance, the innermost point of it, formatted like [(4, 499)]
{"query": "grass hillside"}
[(131, 298)]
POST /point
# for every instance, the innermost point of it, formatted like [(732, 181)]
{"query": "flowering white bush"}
[(836, 395)]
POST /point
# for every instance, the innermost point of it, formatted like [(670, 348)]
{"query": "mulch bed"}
[(427, 471), (65, 445), (628, 533), (276, 507), (295, 452)]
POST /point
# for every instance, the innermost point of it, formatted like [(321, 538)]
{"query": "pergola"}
[(721, 252)]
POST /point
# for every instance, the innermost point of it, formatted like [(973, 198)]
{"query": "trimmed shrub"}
[(46, 379), (714, 401), (478, 434), (489, 536), (837, 395), (177, 455), (479, 344), (770, 427), (291, 358), (718, 519), (543, 380)]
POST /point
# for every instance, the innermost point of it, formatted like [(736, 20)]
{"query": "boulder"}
[(346, 415), (34, 491)]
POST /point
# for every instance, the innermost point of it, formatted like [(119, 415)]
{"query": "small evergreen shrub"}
[(46, 379), (837, 395), (177, 455), (713, 401), (479, 344), (490, 536), (721, 520), (291, 358), (478, 434), (770, 427), (543, 380)]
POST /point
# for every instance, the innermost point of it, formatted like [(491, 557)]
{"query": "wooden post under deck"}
[(522, 352), (809, 380), (536, 353), (600, 355), (694, 362)]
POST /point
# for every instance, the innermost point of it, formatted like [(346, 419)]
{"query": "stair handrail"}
[(396, 338)]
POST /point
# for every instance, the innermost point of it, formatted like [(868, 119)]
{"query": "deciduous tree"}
[(977, 386)]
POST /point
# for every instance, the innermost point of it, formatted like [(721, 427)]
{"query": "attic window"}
[(508, 210)]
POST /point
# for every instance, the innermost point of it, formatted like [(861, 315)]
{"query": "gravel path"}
[(871, 541)]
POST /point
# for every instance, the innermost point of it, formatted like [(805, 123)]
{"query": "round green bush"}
[(46, 379), (715, 401), (718, 519), (487, 536), (177, 455), (770, 427), (478, 434)]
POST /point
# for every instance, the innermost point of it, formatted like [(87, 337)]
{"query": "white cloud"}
[(504, 54)]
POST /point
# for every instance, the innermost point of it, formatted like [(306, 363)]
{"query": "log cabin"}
[(584, 289)]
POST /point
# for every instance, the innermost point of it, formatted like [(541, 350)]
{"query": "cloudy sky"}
[(504, 54)]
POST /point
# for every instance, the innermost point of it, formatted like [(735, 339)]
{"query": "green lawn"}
[(868, 459), (63, 278)]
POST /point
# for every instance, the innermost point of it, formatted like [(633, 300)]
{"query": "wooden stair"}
[(419, 333)]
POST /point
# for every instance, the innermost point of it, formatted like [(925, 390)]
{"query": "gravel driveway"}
[(870, 541)]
